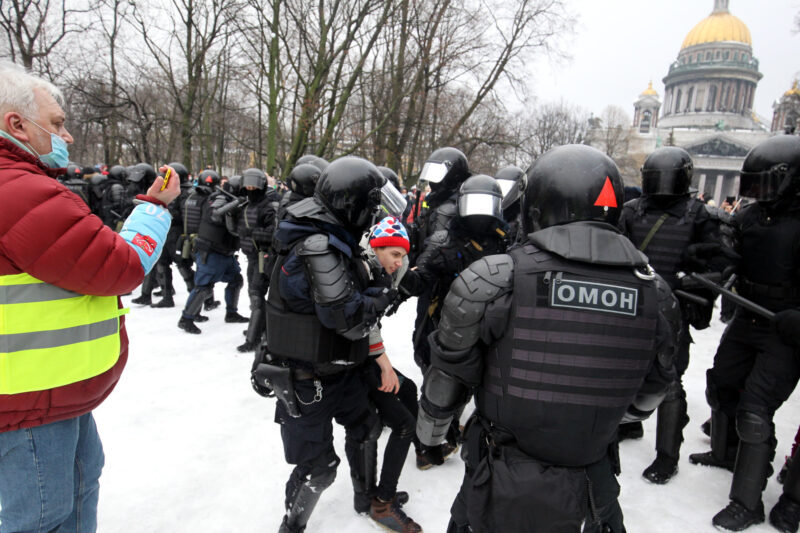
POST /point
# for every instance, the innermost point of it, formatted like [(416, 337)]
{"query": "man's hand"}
[(173, 189)]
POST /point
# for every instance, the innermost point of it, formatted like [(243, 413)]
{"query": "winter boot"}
[(672, 418), (756, 451), (723, 446), (166, 301), (630, 431), (232, 317), (188, 326), (143, 299), (210, 304), (390, 516), (737, 517), (785, 516)]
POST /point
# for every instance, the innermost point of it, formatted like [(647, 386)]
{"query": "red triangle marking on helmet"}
[(607, 198)]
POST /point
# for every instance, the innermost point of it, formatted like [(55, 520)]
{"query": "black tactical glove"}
[(788, 325), (705, 256)]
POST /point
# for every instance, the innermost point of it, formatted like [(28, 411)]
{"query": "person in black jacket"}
[(445, 170), (678, 234), (560, 338), (216, 261), (320, 309), (755, 370), (255, 224)]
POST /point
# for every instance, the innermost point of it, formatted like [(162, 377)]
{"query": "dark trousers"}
[(399, 413), (753, 370)]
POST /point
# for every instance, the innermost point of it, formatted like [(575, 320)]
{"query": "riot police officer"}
[(754, 370), (255, 225), (173, 247), (512, 182), (320, 309), (678, 234), (215, 256), (445, 170), (74, 181), (113, 200), (301, 181), (559, 338)]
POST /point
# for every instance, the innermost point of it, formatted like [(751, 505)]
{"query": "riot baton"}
[(739, 300)]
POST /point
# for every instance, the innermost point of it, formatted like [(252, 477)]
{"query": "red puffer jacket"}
[(48, 232)]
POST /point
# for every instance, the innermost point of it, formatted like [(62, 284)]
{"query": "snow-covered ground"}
[(191, 448)]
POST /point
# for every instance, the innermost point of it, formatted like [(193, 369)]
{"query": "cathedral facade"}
[(707, 108)]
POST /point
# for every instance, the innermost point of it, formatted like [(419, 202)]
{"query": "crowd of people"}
[(561, 310)]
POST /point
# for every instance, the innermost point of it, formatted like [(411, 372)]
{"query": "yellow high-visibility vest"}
[(51, 337)]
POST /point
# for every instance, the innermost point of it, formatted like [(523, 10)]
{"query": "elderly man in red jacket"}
[(62, 335)]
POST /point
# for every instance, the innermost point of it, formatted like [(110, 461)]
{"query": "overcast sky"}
[(620, 45)]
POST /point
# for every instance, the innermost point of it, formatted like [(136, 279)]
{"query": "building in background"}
[(708, 105)]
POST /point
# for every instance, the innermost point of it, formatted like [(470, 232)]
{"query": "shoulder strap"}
[(653, 231)]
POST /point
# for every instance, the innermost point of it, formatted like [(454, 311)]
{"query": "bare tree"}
[(34, 28)]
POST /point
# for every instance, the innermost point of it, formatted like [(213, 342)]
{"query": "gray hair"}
[(17, 90)]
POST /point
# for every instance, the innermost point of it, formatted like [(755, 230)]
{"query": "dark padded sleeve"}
[(483, 281), (330, 282)]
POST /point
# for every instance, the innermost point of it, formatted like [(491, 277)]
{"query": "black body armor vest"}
[(769, 272), (301, 339), (667, 245), (212, 235), (577, 350)]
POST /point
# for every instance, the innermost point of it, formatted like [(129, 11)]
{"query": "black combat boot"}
[(143, 299), (785, 516), (672, 418), (723, 444), (235, 318), (188, 326)]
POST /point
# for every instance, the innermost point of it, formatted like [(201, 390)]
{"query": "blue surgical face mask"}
[(59, 153)]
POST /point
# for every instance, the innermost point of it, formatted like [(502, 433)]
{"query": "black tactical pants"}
[(753, 370)]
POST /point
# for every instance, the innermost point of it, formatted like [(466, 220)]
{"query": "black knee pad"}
[(365, 430), (752, 427)]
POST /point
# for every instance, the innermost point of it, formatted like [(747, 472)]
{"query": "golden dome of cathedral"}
[(719, 26)]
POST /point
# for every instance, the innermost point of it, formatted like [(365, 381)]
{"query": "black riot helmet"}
[(667, 172), (235, 183), (480, 198), (350, 188), (303, 179), (390, 175), (771, 169), (74, 172), (253, 177), (182, 171), (571, 183), (209, 178), (445, 169), (310, 159), (141, 173), (118, 172), (512, 181)]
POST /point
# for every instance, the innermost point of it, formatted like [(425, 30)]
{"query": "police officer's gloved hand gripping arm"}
[(338, 305), (474, 315), (662, 371)]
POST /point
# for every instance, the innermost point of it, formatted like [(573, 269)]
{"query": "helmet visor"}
[(761, 186), (253, 180), (392, 201), (480, 204), (433, 172), (506, 186), (661, 181)]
